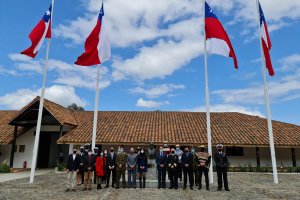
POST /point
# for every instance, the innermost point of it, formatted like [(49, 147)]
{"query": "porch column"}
[(60, 135), (13, 147), (293, 157), (257, 157), (71, 148)]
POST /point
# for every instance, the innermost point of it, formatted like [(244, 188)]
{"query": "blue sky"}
[(157, 56)]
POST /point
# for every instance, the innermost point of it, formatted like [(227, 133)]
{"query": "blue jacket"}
[(73, 165), (187, 158), (161, 160)]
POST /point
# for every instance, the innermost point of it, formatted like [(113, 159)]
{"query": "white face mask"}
[(105, 152), (101, 154), (121, 150), (161, 150), (90, 153), (142, 151), (177, 148)]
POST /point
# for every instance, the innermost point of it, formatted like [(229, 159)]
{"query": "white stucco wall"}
[(283, 157)]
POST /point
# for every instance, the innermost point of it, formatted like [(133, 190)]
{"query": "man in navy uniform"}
[(161, 166), (187, 164), (172, 163), (221, 166)]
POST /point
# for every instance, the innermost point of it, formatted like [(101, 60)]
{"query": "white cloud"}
[(150, 104), (157, 91), (228, 108), (134, 20), (3, 70), (286, 87), (63, 95), (158, 61), (67, 74)]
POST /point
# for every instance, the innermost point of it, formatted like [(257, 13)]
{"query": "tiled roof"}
[(6, 131), (62, 114), (179, 127)]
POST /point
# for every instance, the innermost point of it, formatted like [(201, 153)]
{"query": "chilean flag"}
[(97, 45), (217, 40), (41, 31), (265, 40)]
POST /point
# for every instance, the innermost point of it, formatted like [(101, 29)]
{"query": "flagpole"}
[(267, 101), (96, 109), (40, 113), (208, 126)]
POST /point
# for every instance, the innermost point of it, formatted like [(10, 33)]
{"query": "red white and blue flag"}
[(265, 40), (97, 45), (41, 31), (217, 40)]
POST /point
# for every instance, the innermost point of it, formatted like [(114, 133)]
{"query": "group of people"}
[(104, 165)]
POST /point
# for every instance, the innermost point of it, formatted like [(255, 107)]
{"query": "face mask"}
[(177, 148), (81, 150), (219, 149), (111, 150), (74, 152), (161, 150), (193, 150), (172, 152), (90, 153), (101, 154), (142, 151), (105, 152), (121, 150), (186, 151)]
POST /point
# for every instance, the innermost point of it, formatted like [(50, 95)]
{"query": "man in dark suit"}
[(111, 167), (72, 169), (161, 166), (89, 168), (187, 164)]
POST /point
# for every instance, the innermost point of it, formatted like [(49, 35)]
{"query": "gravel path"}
[(242, 185)]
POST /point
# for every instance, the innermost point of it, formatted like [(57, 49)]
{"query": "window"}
[(235, 151), (22, 148)]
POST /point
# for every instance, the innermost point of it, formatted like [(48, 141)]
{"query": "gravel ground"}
[(242, 185)]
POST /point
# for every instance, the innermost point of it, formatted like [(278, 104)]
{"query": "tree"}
[(74, 106)]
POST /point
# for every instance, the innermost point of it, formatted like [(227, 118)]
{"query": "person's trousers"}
[(179, 171), (222, 176), (131, 182), (119, 174), (196, 176), (187, 171), (88, 179), (71, 179), (161, 176), (113, 177), (173, 179), (203, 170)]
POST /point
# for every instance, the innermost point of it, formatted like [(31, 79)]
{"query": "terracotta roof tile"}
[(179, 127)]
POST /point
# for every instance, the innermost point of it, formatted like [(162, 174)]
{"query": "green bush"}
[(4, 167), (60, 166), (297, 169), (242, 168)]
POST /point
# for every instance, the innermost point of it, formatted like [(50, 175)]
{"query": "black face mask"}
[(74, 152), (186, 151), (81, 150), (172, 152), (111, 150), (219, 149)]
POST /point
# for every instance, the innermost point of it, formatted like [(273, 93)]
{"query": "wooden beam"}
[(257, 157), (13, 147), (293, 157)]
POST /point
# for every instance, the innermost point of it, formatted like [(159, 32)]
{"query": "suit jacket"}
[(187, 159), (172, 162), (73, 165), (111, 160), (89, 161), (161, 160)]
